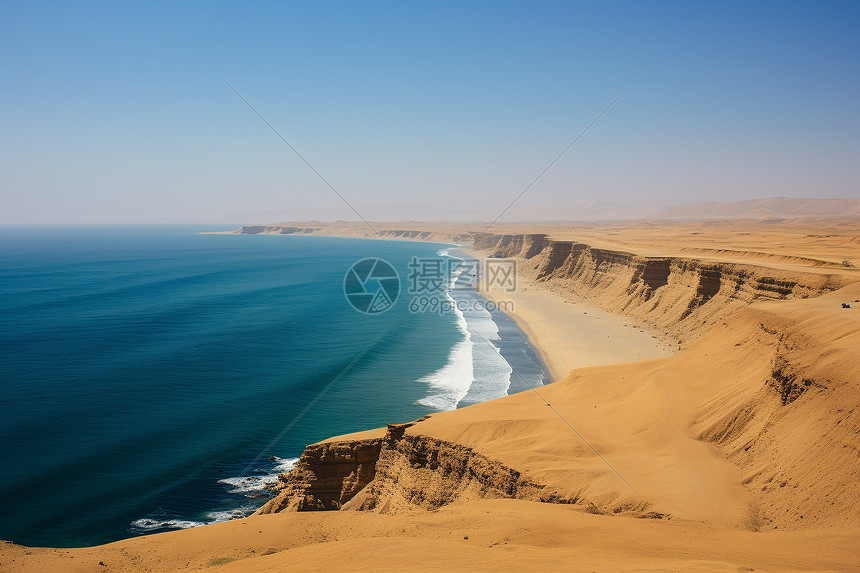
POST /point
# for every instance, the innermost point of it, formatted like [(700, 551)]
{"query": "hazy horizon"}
[(120, 114)]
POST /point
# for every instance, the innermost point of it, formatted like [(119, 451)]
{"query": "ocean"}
[(156, 378)]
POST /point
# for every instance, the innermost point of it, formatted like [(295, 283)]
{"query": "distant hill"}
[(771, 207), (531, 210)]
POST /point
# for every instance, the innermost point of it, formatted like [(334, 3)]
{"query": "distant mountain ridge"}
[(599, 210), (572, 210), (778, 207)]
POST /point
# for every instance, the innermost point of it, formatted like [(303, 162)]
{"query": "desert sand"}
[(738, 450)]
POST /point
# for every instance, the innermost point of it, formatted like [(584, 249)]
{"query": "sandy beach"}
[(570, 334), (737, 452)]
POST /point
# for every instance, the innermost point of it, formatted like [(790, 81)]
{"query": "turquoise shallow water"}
[(144, 368)]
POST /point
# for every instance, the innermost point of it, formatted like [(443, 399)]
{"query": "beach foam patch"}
[(492, 372), (253, 485), (149, 524), (451, 383), (155, 523), (476, 370)]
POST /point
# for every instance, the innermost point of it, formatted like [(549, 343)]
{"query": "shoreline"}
[(148, 526), (727, 469), (551, 339), (504, 359), (548, 341), (553, 324)]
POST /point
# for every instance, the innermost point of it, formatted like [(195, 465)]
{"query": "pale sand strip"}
[(571, 335)]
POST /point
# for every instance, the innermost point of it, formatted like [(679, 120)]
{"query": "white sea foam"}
[(253, 485), (492, 371), (250, 486), (451, 383), (148, 524), (151, 523), (283, 465), (476, 371), (237, 513)]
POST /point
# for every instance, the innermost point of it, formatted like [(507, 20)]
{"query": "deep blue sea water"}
[(148, 373)]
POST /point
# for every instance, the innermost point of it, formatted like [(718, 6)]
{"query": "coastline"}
[(565, 334), (726, 473)]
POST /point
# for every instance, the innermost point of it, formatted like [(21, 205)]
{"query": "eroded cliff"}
[(673, 293), (402, 472), (793, 431)]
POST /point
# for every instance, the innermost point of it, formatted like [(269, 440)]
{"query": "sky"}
[(120, 112)]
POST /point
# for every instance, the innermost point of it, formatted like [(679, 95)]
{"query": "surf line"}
[(474, 372)]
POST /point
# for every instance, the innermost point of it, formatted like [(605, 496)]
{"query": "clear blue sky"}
[(117, 112)]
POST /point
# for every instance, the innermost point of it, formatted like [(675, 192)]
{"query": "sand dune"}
[(737, 452)]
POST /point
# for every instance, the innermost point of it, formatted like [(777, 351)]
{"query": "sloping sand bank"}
[(489, 535)]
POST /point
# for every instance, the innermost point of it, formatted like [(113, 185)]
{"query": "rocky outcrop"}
[(411, 471), (710, 282), (655, 273), (423, 472), (507, 246), (393, 472), (557, 253), (327, 476)]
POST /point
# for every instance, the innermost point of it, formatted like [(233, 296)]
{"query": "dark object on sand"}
[(846, 305)]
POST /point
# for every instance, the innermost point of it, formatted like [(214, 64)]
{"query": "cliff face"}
[(402, 472), (403, 235), (670, 292), (360, 231), (326, 476), (275, 230), (526, 246)]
